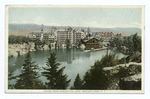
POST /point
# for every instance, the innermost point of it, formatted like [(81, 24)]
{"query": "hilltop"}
[(25, 29)]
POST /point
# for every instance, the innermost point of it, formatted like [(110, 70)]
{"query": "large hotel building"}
[(74, 36)]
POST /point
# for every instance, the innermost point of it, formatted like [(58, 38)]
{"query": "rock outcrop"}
[(131, 82), (125, 76), (20, 49)]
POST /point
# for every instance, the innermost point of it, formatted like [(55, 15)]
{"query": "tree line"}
[(132, 43), (12, 39), (94, 78)]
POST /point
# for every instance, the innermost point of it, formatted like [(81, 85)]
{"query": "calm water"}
[(74, 60)]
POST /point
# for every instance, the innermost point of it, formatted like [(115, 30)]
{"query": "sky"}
[(83, 16)]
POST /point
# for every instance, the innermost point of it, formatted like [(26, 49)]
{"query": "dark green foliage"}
[(123, 60), (112, 44), (127, 59), (35, 46), (38, 43), (116, 42), (88, 31), (95, 78), (10, 77), (136, 41), (101, 39), (109, 60), (55, 76), (67, 43), (18, 39), (77, 83), (128, 71), (123, 72), (49, 46), (137, 46), (29, 77), (132, 43)]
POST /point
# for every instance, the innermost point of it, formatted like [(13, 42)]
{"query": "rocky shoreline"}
[(20, 49), (131, 72), (125, 77)]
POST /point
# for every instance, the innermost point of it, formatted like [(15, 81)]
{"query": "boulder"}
[(82, 46), (135, 57), (131, 82), (46, 47)]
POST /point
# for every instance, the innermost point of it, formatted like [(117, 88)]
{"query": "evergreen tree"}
[(67, 43), (35, 47), (88, 31), (57, 80), (109, 60), (95, 78), (101, 39), (135, 42), (28, 79), (49, 46), (11, 75), (77, 83)]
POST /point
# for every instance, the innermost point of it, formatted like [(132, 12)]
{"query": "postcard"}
[(74, 49)]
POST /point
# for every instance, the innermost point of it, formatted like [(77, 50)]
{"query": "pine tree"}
[(55, 76), (95, 78), (77, 83), (135, 42), (28, 79), (109, 60)]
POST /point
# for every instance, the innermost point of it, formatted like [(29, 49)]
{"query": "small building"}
[(92, 43), (41, 36), (46, 36), (36, 35)]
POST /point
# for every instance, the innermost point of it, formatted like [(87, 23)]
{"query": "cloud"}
[(136, 24), (131, 25), (105, 25), (41, 20), (37, 20), (22, 22)]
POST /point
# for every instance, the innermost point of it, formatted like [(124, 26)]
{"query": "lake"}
[(75, 61)]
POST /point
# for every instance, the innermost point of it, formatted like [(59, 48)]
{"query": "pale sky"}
[(87, 17)]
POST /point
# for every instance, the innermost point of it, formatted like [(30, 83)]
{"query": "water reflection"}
[(15, 63), (74, 60)]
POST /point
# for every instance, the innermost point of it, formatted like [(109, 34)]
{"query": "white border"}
[(74, 91)]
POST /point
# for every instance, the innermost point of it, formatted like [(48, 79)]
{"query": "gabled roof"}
[(93, 38), (85, 41)]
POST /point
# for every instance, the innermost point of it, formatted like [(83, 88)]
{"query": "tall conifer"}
[(29, 77), (56, 78), (77, 83), (95, 78)]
